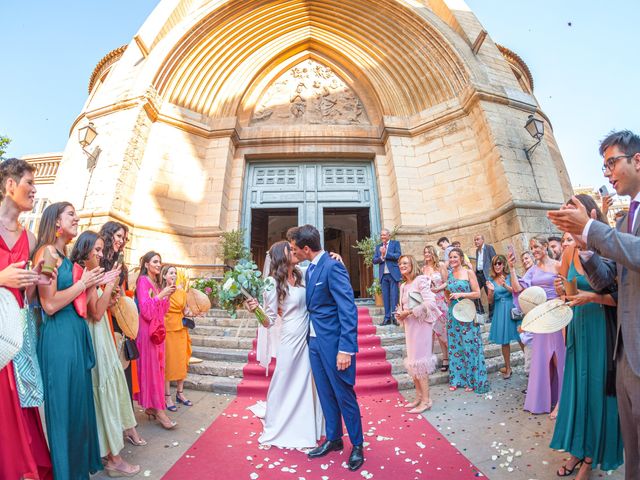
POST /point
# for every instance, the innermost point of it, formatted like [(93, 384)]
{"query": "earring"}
[(59, 232)]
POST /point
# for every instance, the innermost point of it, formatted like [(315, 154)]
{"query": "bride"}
[(292, 415)]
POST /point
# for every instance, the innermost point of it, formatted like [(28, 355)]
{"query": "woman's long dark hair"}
[(83, 246), (110, 257), (146, 258), (107, 232), (590, 204), (280, 262), (47, 229)]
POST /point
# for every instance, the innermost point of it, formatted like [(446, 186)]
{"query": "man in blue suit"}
[(386, 256), (333, 343)]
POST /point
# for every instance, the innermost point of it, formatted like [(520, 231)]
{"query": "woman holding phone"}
[(178, 342), (153, 302)]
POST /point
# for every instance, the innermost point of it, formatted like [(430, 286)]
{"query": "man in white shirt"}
[(621, 153)]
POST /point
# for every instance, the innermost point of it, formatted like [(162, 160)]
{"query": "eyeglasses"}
[(498, 263), (610, 163)]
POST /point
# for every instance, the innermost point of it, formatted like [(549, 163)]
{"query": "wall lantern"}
[(86, 136), (535, 127)]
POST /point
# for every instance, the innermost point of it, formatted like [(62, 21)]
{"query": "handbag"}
[(414, 300), (25, 363), (516, 315), (80, 302), (190, 323), (130, 349), (158, 335)]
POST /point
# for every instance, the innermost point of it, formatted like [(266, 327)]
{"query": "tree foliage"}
[(4, 142)]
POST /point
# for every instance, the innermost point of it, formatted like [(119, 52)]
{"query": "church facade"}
[(351, 115)]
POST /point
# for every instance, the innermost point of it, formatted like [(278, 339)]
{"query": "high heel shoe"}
[(445, 365), (167, 423), (565, 471), (150, 413), (138, 443), (184, 401), (171, 408)]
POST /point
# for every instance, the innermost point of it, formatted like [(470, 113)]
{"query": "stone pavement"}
[(492, 430)]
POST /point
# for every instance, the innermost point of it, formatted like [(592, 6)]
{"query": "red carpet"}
[(398, 445)]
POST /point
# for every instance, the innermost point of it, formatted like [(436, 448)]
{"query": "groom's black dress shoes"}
[(356, 459), (326, 447), (387, 321)]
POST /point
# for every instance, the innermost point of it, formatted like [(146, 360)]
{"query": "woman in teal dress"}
[(466, 354), (66, 354), (503, 329), (587, 425)]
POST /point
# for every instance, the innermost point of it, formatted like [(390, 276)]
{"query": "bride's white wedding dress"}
[(292, 415)]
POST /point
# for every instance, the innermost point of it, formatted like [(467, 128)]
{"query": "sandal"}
[(566, 471), (138, 443), (507, 376), (171, 408), (424, 408), (468, 389), (184, 401), (413, 404), (445, 365), (453, 388)]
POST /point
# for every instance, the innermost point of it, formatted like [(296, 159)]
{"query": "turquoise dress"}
[(65, 352), (587, 423), (503, 329), (466, 352)]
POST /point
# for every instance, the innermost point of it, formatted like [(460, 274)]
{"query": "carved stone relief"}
[(309, 93)]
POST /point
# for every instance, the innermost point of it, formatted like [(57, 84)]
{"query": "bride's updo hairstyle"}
[(280, 254)]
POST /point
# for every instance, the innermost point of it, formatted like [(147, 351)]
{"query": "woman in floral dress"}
[(466, 355), (437, 274)]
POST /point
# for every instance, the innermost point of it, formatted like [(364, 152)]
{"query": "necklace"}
[(8, 229)]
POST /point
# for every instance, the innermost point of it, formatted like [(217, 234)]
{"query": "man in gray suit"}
[(621, 153), (484, 255)]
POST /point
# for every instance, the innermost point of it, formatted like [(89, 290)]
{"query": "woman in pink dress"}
[(436, 272), (417, 312), (153, 304)]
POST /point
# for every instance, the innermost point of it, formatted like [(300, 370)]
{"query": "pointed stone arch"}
[(223, 53)]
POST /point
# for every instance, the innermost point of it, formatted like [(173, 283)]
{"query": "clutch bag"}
[(415, 300)]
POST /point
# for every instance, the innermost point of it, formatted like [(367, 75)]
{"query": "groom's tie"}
[(310, 270)]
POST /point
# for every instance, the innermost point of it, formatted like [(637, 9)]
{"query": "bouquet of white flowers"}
[(242, 283)]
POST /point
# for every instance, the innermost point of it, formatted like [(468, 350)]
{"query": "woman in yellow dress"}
[(177, 342)]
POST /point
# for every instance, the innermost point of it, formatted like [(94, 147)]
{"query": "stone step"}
[(235, 361), (208, 383), (242, 313), (493, 365), (248, 323), (229, 384), (220, 354)]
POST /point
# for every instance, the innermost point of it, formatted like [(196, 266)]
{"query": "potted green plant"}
[(233, 248), (375, 291), (210, 287)]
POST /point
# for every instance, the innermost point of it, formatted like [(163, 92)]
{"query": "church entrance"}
[(338, 198)]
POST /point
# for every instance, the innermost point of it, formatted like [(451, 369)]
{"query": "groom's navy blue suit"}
[(334, 316)]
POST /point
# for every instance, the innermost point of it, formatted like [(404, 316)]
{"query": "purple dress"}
[(545, 379)]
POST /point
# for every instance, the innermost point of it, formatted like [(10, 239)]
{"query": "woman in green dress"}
[(110, 392), (66, 353), (587, 425)]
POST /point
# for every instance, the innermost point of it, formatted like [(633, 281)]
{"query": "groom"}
[(333, 342)]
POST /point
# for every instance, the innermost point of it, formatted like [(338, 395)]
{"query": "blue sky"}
[(586, 74)]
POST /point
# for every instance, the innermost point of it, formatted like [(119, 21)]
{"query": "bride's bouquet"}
[(243, 283)]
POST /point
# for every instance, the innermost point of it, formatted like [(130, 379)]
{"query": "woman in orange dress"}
[(177, 342)]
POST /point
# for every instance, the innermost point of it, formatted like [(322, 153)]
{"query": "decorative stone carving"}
[(309, 93)]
